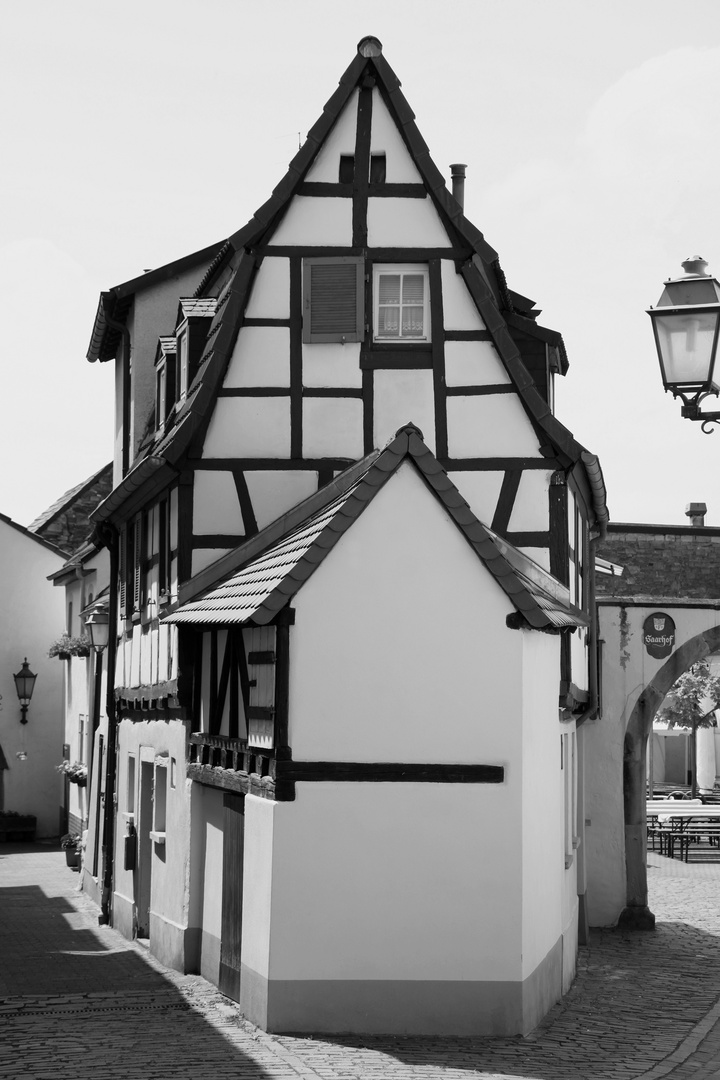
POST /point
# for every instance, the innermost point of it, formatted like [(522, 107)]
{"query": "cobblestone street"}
[(78, 1000)]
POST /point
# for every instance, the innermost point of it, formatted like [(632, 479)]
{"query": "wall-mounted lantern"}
[(24, 684), (686, 322)]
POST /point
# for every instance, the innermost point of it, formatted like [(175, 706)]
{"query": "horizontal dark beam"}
[(389, 772)]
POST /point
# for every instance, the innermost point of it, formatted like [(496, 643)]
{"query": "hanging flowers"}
[(75, 771)]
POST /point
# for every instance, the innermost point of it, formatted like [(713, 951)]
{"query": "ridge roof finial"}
[(369, 46)]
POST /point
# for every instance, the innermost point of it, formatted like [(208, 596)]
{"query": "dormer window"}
[(182, 364), (402, 303), (165, 381), (195, 316)]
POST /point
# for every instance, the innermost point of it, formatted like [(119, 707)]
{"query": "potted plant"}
[(66, 646), (71, 845), (75, 771)]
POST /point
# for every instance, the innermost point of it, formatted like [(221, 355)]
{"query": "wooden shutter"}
[(333, 299), (122, 571), (137, 562)]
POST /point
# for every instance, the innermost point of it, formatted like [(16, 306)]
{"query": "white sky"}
[(136, 132)]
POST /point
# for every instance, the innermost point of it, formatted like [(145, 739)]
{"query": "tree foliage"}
[(693, 699)]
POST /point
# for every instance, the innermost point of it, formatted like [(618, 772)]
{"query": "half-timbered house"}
[(351, 550)]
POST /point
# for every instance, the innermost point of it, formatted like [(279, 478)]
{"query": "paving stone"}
[(77, 1000)]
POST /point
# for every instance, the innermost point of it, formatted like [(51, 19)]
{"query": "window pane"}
[(412, 322), (389, 292), (413, 288), (389, 321)]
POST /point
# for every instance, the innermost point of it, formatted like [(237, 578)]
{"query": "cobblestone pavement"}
[(77, 1000)]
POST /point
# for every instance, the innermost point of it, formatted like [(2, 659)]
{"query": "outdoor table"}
[(678, 823)]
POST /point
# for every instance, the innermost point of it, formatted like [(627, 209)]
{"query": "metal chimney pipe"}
[(696, 512), (457, 172)]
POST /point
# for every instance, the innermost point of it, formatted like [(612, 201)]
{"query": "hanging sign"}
[(659, 634)]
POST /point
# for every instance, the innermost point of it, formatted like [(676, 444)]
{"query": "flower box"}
[(16, 828)]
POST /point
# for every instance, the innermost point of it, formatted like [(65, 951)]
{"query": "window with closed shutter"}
[(333, 299)]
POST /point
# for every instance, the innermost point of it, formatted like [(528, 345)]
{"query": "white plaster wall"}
[(216, 508), (400, 650), (332, 364), (531, 512), (249, 427), (203, 557), (316, 222), (396, 881), (386, 139), (481, 491), (489, 427), (579, 658), (341, 140), (403, 223), (170, 892), (274, 491), (32, 614), (401, 397), (261, 357), (332, 427), (259, 864), (459, 311), (270, 296), (543, 852), (473, 363)]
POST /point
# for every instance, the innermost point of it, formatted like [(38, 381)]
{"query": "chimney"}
[(457, 172), (696, 512)]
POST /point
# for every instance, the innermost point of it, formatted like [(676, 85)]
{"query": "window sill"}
[(157, 837)]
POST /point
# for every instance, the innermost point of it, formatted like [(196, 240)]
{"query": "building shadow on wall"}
[(80, 1001), (636, 998)]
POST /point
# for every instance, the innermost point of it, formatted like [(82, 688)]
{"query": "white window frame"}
[(402, 269)]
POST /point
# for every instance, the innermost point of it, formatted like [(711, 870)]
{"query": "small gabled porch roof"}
[(268, 580)]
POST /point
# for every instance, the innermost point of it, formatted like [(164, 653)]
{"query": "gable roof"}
[(501, 309), (32, 536), (271, 578)]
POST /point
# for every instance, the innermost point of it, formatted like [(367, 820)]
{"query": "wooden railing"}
[(218, 755)]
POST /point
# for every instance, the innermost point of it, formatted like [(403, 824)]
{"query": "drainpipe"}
[(588, 713), (126, 380), (110, 538)]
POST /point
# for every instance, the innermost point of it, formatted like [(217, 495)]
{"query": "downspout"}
[(589, 713), (110, 539), (125, 334)]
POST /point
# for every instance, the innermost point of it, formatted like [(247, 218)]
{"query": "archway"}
[(636, 914)]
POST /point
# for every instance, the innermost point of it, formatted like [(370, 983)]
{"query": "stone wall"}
[(661, 560)]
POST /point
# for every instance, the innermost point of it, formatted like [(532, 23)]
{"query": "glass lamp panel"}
[(686, 341)]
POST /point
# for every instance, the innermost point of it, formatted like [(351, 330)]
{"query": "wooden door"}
[(232, 894), (143, 881)]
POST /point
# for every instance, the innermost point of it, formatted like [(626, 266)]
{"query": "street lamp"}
[(686, 320), (98, 629), (24, 684)]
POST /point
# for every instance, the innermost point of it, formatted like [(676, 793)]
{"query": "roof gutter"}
[(149, 475)]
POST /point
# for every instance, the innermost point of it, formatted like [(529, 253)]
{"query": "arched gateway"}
[(666, 577)]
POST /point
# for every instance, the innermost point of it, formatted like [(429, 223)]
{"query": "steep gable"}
[(357, 295)]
